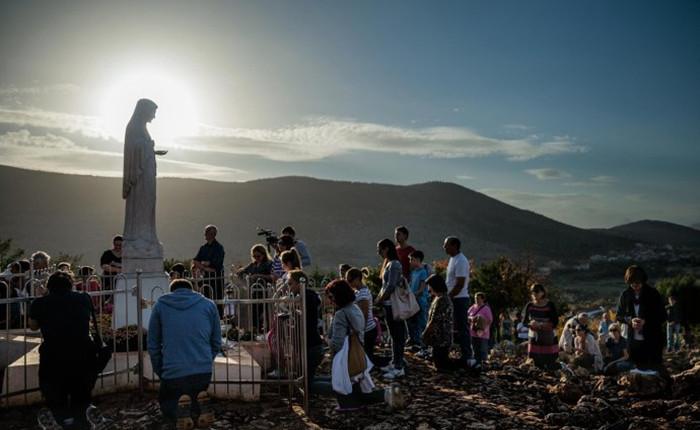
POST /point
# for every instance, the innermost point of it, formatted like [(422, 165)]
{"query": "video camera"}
[(270, 237)]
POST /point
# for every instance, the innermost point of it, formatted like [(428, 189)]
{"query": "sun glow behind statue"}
[(176, 115)]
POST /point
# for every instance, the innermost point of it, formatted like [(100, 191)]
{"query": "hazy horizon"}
[(585, 113)]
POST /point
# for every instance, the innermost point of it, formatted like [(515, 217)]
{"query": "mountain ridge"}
[(657, 232), (341, 221)]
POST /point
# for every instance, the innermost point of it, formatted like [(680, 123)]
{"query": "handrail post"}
[(139, 328), (304, 341)]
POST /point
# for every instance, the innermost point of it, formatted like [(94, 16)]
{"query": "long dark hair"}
[(391, 255), (388, 244)]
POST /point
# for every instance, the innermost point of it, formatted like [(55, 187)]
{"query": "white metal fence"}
[(263, 329)]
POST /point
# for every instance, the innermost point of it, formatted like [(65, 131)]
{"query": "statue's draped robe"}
[(139, 190)]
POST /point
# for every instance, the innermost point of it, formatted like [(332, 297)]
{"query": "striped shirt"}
[(364, 294), (277, 267)]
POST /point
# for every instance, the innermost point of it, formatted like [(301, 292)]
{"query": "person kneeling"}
[(587, 351), (184, 337)]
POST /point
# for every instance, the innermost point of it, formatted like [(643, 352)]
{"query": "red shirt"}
[(403, 259)]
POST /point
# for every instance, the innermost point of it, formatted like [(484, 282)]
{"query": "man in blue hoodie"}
[(184, 337)]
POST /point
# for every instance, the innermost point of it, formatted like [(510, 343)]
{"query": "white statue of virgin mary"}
[(139, 187)]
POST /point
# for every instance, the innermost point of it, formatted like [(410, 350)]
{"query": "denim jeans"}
[(613, 369), (481, 349), (318, 384), (172, 389), (673, 336), (461, 326), (416, 325), (397, 332)]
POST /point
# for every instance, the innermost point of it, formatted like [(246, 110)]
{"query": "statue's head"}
[(144, 111)]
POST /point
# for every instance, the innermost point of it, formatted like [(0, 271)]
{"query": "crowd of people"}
[(425, 314)]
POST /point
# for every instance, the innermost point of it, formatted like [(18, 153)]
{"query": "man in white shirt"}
[(458, 290)]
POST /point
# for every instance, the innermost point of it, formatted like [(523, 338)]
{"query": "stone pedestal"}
[(22, 376), (227, 374), (153, 285)]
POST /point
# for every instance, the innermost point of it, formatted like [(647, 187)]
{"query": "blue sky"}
[(584, 112)]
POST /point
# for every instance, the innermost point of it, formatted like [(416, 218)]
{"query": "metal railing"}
[(263, 329)]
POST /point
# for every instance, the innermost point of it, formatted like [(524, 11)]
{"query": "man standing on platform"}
[(111, 262), (209, 262)]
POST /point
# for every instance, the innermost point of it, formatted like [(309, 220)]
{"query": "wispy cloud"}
[(604, 179), (50, 152), (86, 125), (524, 196), (465, 177), (595, 181), (24, 139), (548, 174), (521, 127), (12, 90), (322, 138)]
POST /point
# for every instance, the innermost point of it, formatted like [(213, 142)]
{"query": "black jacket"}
[(673, 312), (651, 310)]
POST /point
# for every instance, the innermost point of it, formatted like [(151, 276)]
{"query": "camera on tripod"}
[(270, 237)]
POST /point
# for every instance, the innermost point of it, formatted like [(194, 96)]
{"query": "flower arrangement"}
[(123, 338)]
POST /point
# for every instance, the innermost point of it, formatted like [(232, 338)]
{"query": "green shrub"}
[(8, 253)]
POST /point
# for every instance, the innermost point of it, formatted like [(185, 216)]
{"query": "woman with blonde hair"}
[(260, 263)]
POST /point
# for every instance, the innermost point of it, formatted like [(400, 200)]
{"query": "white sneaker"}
[(96, 419), (388, 368), (395, 373), (47, 421), (423, 353)]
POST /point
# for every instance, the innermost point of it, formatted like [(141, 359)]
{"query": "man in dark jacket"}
[(67, 353), (184, 337), (642, 308), (209, 262)]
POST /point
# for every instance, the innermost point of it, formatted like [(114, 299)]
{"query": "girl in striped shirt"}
[(363, 299)]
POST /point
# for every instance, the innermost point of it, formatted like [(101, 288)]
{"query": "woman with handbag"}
[(391, 276), (63, 316), (480, 319), (348, 322)]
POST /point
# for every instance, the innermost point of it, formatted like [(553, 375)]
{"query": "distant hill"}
[(339, 221), (658, 232)]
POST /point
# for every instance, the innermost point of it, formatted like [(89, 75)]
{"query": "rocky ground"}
[(510, 395)]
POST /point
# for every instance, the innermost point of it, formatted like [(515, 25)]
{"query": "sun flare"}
[(176, 115)]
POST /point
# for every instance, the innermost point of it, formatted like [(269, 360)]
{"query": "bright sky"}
[(586, 112)]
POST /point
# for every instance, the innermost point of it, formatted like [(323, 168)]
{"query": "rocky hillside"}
[(511, 395)]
